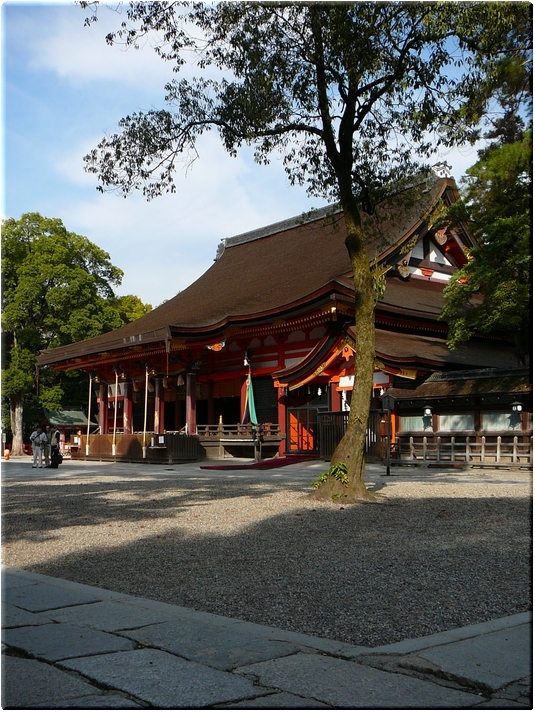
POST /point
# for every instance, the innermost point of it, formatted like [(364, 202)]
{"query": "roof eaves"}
[(85, 348)]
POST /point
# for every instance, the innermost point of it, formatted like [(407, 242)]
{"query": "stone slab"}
[(165, 681), (489, 661), (303, 641), (13, 617), (59, 641), (222, 648), (278, 701), (12, 580), (44, 597), (448, 636), (348, 685), (110, 616), (30, 577), (27, 683), (503, 705), (105, 701)]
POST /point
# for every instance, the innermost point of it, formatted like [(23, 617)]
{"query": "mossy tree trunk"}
[(351, 449)]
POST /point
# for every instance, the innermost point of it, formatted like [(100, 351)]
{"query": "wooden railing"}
[(266, 430), (503, 449)]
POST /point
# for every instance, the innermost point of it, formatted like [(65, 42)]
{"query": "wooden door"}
[(301, 430)]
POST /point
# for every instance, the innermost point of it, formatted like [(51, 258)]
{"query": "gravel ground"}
[(441, 551)]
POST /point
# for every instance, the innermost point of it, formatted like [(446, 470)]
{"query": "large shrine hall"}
[(260, 350)]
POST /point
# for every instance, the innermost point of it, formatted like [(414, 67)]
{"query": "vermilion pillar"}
[(335, 398), (281, 412), (127, 407), (158, 406), (191, 403), (103, 408)]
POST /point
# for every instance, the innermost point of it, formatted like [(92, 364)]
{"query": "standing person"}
[(55, 457), (38, 440), (46, 452)]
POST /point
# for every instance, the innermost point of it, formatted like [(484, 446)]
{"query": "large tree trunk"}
[(16, 410), (351, 448)]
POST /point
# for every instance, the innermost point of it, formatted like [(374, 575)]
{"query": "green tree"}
[(492, 292), (353, 96), (57, 288), (131, 308)]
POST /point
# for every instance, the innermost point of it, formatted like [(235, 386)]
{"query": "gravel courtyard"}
[(443, 550)]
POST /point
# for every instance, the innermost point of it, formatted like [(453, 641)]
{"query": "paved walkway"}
[(68, 645)]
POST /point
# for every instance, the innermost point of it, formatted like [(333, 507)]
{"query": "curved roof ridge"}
[(288, 224)]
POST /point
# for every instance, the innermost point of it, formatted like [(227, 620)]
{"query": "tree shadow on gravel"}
[(34, 510), (363, 574)]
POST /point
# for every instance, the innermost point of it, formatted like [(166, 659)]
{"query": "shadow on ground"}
[(30, 510), (364, 574)]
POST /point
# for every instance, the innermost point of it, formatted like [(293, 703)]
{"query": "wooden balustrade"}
[(500, 449), (266, 430)]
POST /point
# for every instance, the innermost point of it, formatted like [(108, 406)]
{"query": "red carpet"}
[(264, 464)]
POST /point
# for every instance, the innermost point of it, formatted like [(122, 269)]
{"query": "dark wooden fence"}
[(168, 448), (332, 426)]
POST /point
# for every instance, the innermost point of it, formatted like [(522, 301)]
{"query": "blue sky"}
[(63, 89)]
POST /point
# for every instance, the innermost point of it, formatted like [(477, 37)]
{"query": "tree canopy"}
[(365, 88), (497, 204), (353, 96), (57, 288)]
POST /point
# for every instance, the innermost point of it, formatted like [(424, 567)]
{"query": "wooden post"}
[(191, 404), (158, 406), (103, 408), (145, 413), (127, 408), (281, 417), (88, 417), (115, 404)]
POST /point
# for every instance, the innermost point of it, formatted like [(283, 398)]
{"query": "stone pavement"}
[(67, 646)]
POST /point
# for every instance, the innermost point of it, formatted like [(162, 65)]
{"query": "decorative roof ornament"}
[(441, 237), (220, 249), (442, 169), (404, 269)]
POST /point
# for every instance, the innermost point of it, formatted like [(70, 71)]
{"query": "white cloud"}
[(162, 246), (81, 55)]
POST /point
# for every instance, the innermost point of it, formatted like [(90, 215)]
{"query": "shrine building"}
[(275, 312)]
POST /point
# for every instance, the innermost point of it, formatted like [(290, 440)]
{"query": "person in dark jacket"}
[(55, 455)]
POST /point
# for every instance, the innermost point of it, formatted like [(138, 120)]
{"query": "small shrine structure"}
[(275, 312)]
